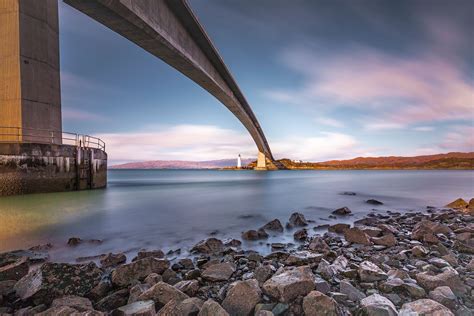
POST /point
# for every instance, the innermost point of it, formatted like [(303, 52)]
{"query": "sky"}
[(326, 80)]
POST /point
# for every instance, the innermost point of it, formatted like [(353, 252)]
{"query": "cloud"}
[(459, 139), (329, 121), (79, 115), (383, 126), (423, 128)]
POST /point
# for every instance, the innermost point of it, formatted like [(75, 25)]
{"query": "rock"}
[(373, 202), (391, 285), (388, 240), (254, 234), (419, 251), (209, 246), (111, 260), (449, 277), (444, 295), (301, 234), (370, 230), (170, 277), (74, 241), (457, 204), (113, 301), (136, 291), (242, 297), (321, 285), (58, 311), (212, 308), (15, 269), (138, 270), (141, 308), (303, 257), (319, 304), (348, 193), (426, 231), (357, 236), (377, 305), (339, 228), (319, 245), (424, 307), (153, 278), (290, 283), (274, 225), (342, 211), (189, 287), (370, 272), (7, 287), (298, 219), (80, 304), (232, 243), (470, 265), (142, 254), (328, 271), (263, 273), (414, 290), (53, 280), (464, 247), (189, 306), (218, 272), (161, 293), (353, 294)]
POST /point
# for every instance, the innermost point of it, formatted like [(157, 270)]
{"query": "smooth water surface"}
[(170, 209)]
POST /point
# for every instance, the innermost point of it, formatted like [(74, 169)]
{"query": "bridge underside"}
[(169, 30)]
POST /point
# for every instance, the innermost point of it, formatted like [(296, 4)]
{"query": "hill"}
[(181, 164)]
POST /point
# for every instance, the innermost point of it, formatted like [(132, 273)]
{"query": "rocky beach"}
[(390, 263)]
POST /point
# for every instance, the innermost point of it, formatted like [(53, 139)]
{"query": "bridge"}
[(167, 29)]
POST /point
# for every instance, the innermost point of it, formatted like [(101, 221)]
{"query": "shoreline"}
[(382, 261)]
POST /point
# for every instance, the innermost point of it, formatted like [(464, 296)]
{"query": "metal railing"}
[(9, 134)]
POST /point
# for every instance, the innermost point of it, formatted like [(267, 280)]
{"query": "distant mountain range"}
[(454, 160)]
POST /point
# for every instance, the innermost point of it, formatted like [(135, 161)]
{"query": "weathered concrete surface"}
[(30, 94), (169, 30), (35, 168)]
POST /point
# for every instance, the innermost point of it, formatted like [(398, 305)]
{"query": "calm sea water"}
[(170, 209)]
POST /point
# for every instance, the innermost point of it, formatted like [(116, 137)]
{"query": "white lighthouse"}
[(239, 162)]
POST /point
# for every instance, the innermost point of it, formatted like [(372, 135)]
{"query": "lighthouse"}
[(239, 162)]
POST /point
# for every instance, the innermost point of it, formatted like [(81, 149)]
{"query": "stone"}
[(189, 306), (138, 270), (290, 283), (353, 294), (53, 280), (74, 241), (438, 262), (342, 211), (242, 297), (139, 308), (136, 291), (391, 285), (254, 234), (419, 251), (274, 225), (425, 307), (357, 236), (142, 254), (319, 245), (388, 240), (111, 260), (444, 295), (153, 278), (171, 277), (232, 243), (113, 301), (212, 308), (373, 202), (161, 293), (80, 304), (319, 304), (414, 290), (449, 277), (15, 269), (189, 287), (339, 228), (209, 246), (370, 272), (457, 204), (301, 234), (328, 271), (263, 273), (321, 285), (371, 231), (218, 272), (7, 287), (426, 230), (377, 305), (303, 257), (58, 311), (298, 219)]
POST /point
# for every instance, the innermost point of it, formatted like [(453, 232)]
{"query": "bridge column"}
[(261, 161)]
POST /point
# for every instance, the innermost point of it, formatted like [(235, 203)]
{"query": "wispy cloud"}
[(423, 128), (329, 121), (79, 115), (459, 138)]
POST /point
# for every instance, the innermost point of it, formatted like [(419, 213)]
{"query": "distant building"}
[(239, 162)]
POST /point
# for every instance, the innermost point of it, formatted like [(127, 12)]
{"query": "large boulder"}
[(218, 272), (370, 272), (14, 269), (353, 294), (303, 257), (189, 306), (112, 259), (342, 211), (241, 298), (209, 246), (138, 270), (449, 277), (301, 234), (212, 308), (53, 280), (142, 308), (319, 245), (157, 253), (458, 204), (274, 225), (263, 273), (339, 228), (319, 304), (161, 293), (388, 240), (113, 300), (356, 236), (445, 296), (189, 287), (377, 305), (290, 283), (254, 234), (425, 307), (297, 219), (426, 231), (80, 304)]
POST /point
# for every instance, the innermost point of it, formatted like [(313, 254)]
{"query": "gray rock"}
[(290, 283), (242, 297), (209, 246), (303, 257), (424, 307), (111, 260), (377, 305), (342, 211), (218, 272), (298, 219), (353, 294), (263, 273), (444, 295), (370, 272), (138, 270), (254, 234), (274, 225), (161, 293), (141, 308), (301, 234), (319, 245), (317, 304), (189, 287), (113, 301), (449, 277)]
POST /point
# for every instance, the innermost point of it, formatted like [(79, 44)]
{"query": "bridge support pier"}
[(261, 161)]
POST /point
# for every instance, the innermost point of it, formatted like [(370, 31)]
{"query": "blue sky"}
[(326, 79)]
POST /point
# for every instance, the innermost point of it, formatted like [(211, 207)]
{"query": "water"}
[(170, 209)]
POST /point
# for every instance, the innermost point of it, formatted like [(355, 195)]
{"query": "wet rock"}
[(218, 272), (301, 234), (254, 234), (377, 305), (80, 304), (449, 277), (353, 294), (391, 285), (113, 301), (298, 219), (342, 211), (161, 293), (138, 270), (209, 246), (58, 311), (426, 231), (317, 303), (388, 240), (419, 251), (457, 204), (242, 297), (142, 254), (348, 193), (424, 307), (414, 290), (319, 245), (15, 269), (142, 308), (189, 287), (212, 308), (339, 228), (136, 291), (189, 306), (74, 241), (370, 230), (290, 283), (373, 202), (303, 258), (153, 278), (444, 295), (170, 277), (232, 243), (53, 280), (357, 236), (111, 260), (328, 271), (263, 273), (274, 225), (370, 272)]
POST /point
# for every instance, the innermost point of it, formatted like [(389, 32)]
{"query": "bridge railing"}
[(9, 134)]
